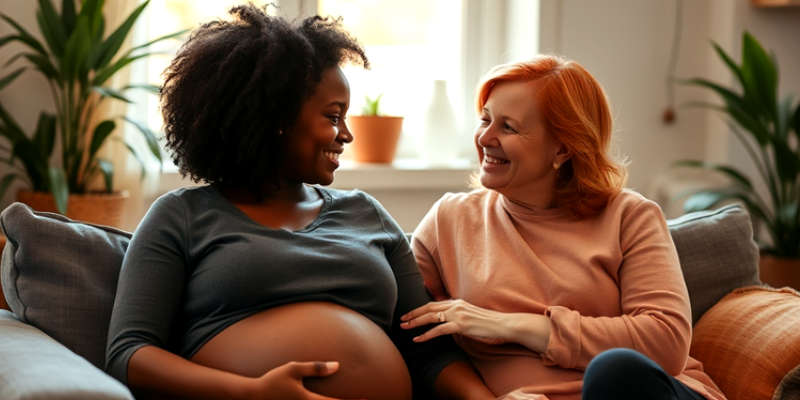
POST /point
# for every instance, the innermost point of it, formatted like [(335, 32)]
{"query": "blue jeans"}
[(624, 374)]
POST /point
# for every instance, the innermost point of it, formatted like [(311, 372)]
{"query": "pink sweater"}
[(608, 281)]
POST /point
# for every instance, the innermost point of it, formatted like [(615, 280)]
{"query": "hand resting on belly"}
[(370, 365)]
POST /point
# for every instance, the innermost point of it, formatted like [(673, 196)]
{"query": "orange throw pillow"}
[(749, 343)]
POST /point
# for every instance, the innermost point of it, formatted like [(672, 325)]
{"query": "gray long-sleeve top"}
[(197, 264)]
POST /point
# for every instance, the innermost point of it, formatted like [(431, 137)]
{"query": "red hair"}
[(575, 111)]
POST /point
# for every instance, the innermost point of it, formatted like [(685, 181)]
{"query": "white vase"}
[(439, 138)]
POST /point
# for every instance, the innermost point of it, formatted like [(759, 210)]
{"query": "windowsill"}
[(402, 174)]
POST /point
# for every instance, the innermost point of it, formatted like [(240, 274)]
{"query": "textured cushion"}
[(717, 254), (749, 344), (34, 366), (61, 276)]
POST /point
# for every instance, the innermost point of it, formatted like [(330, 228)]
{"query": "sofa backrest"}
[(61, 275)]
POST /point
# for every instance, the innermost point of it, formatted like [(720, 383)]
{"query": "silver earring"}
[(556, 165), (280, 132)]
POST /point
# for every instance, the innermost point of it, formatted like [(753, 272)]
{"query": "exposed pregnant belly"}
[(370, 365)]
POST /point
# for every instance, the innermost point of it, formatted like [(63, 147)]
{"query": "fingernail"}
[(332, 365)]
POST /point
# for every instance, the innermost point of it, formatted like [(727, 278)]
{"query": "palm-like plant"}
[(77, 61), (774, 129)]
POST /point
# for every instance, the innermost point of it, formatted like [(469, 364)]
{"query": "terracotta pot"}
[(780, 272), (97, 208), (374, 138)]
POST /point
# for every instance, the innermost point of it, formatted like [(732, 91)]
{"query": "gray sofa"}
[(59, 279)]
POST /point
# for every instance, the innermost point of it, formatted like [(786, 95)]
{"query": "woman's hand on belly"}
[(286, 381), (484, 325)]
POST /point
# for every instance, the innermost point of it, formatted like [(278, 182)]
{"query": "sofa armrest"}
[(35, 366)]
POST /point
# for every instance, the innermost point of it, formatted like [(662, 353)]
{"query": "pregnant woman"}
[(261, 284)]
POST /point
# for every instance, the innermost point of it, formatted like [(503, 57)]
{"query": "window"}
[(409, 43)]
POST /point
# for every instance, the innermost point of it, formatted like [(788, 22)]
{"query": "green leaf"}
[(729, 62), (726, 170), (6, 182), (25, 37), (108, 92), (10, 128), (43, 64), (59, 188), (68, 16), (760, 77), (6, 80), (150, 137), (33, 162), (110, 47), (150, 88), (101, 133), (107, 72), (787, 162), (108, 173), (162, 38), (44, 138), (739, 109), (51, 27), (783, 123), (796, 121), (93, 10), (136, 155), (75, 61)]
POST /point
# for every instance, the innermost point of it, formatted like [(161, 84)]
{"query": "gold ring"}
[(440, 316)]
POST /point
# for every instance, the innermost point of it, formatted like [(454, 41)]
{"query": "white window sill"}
[(402, 175)]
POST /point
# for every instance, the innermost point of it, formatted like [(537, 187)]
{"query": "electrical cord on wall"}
[(668, 116)]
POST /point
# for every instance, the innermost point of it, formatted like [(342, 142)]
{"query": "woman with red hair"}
[(554, 278)]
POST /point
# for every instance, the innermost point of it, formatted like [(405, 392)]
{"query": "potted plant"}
[(375, 136), (77, 61), (769, 130)]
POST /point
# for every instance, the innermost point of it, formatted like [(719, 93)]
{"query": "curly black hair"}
[(235, 84)]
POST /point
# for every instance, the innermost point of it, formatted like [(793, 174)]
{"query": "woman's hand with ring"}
[(457, 317)]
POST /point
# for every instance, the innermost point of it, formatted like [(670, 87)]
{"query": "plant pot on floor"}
[(375, 138), (96, 207), (780, 272)]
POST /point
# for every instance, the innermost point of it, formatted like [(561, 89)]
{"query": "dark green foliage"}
[(77, 62), (774, 129)]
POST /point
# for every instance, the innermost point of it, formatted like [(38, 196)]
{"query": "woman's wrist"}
[(529, 330), (240, 387)]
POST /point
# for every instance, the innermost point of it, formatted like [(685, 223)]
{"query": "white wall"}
[(626, 44)]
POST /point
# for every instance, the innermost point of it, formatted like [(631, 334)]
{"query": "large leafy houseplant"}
[(769, 130), (78, 60)]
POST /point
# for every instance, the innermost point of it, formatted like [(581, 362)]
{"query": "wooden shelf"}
[(775, 3)]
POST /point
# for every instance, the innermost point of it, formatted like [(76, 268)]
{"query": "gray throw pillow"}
[(60, 276), (717, 254)]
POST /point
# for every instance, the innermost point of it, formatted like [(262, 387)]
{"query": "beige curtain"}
[(127, 171)]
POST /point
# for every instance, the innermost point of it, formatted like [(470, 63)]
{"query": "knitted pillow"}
[(717, 254), (749, 344), (61, 276)]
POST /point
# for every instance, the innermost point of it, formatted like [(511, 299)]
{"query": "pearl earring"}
[(556, 165)]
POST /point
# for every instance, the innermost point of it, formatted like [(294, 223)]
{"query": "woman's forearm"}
[(154, 373), (529, 330)]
